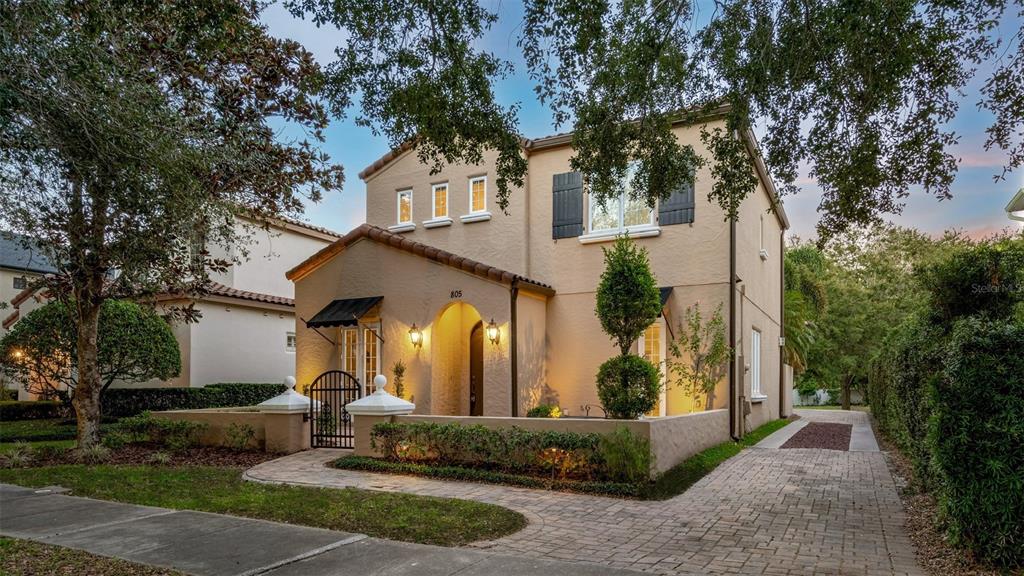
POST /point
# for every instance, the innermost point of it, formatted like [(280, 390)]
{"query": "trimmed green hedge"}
[(545, 453), (977, 439), (366, 464), (122, 402), (29, 409)]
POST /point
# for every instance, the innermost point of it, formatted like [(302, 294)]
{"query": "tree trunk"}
[(846, 393), (86, 399)]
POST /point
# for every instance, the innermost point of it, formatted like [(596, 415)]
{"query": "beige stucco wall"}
[(273, 432), (759, 302), (415, 290), (264, 255), (500, 242), (532, 350), (676, 438)]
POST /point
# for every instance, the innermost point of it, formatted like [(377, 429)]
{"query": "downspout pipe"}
[(513, 340), (732, 328), (782, 323)]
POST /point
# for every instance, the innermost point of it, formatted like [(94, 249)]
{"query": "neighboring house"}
[(493, 313), (247, 329), (20, 265), (246, 332), (1015, 209)]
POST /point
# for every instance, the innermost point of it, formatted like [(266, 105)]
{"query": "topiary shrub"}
[(628, 386), (977, 435), (628, 301), (544, 411), (122, 402)]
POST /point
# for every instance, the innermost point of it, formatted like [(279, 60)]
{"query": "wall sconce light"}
[(416, 336), (493, 334)]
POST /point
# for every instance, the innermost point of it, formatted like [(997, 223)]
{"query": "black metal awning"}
[(345, 312), (665, 293)]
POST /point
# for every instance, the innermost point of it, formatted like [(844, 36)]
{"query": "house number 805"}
[(456, 294)]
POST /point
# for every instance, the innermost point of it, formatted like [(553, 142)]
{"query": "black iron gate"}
[(330, 424)]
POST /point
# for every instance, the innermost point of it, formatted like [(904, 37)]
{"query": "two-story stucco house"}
[(493, 313)]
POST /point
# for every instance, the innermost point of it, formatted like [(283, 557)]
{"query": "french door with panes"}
[(361, 354), (651, 345)]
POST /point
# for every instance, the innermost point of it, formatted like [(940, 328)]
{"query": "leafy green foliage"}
[(700, 354), (513, 450), (977, 430), (627, 457), (239, 437), (948, 389), (490, 476), (135, 345), (628, 300), (544, 411), (120, 402), (422, 80), (175, 435), (29, 409), (139, 159), (628, 386), (986, 278), (391, 515), (398, 373)]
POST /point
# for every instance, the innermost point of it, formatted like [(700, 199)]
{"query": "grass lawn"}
[(427, 520), (676, 480), (8, 446), (25, 557)]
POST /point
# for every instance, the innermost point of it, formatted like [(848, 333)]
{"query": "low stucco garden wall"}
[(673, 439), (274, 432)]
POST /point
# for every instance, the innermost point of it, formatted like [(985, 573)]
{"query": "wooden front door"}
[(476, 370)]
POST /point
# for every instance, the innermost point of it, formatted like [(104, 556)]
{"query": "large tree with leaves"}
[(860, 91), (132, 133)]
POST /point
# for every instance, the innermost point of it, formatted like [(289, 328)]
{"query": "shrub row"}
[(29, 409), (122, 402), (176, 435), (618, 457), (478, 475), (949, 390)]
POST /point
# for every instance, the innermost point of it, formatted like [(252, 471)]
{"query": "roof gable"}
[(400, 242)]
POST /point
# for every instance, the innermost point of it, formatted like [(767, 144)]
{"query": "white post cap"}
[(290, 401), (380, 403)]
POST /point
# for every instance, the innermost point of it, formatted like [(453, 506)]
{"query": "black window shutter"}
[(567, 205), (678, 207)]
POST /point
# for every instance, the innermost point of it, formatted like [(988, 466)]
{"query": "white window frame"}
[(346, 350), (662, 362), (398, 206), (289, 342), (23, 280), (476, 215), (359, 352), (433, 201), (471, 182), (644, 230), (756, 392)]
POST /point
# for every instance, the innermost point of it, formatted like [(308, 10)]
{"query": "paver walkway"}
[(218, 545), (765, 511)]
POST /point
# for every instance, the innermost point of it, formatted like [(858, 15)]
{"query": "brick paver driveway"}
[(765, 511)]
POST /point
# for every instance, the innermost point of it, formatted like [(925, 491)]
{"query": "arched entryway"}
[(457, 363)]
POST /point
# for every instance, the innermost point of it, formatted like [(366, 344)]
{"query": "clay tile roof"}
[(218, 289), (11, 319), (387, 238)]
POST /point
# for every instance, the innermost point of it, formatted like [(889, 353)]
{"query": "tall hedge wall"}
[(121, 402)]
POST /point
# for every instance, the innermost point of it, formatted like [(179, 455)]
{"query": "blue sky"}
[(976, 207)]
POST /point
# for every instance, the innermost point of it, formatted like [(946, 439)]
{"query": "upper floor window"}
[(289, 342), (755, 364), (404, 206), (478, 194), (20, 282), (622, 212), (440, 192)]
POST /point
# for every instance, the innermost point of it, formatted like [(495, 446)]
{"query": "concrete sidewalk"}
[(217, 545)]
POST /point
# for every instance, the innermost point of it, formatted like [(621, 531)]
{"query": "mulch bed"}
[(824, 435), (140, 454), (934, 554)]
